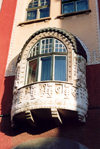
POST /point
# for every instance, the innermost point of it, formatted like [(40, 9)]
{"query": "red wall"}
[(6, 17), (99, 9), (93, 85), (87, 134)]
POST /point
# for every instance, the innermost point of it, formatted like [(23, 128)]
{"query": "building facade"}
[(50, 65)]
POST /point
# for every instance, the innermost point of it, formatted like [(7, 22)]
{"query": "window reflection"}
[(47, 61), (74, 6), (32, 71), (38, 9)]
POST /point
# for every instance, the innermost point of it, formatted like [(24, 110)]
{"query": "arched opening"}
[(51, 78), (44, 61)]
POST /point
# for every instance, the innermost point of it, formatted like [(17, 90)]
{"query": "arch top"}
[(54, 77), (74, 41)]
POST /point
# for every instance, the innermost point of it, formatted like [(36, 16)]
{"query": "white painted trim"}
[(39, 69)]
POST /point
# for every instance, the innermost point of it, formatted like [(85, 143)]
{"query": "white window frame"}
[(53, 54), (75, 5), (37, 10)]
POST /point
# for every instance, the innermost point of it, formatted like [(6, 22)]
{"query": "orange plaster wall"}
[(6, 18), (93, 85), (6, 23)]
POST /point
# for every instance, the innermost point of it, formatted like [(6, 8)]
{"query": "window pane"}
[(60, 68), (65, 0), (31, 15), (82, 5), (34, 50), (44, 12), (32, 71), (59, 46), (41, 9), (68, 7), (34, 3), (44, 2), (46, 45), (46, 68)]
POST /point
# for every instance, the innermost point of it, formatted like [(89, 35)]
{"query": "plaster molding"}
[(70, 95)]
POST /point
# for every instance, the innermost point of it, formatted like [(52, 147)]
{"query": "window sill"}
[(34, 21), (73, 14), (51, 81)]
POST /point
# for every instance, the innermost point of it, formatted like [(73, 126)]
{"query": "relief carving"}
[(33, 92), (66, 91), (58, 89), (43, 90), (71, 95), (50, 91)]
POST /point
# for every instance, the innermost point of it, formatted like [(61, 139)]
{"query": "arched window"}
[(47, 60), (38, 9)]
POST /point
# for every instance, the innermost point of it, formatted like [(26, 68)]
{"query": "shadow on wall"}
[(12, 66), (6, 103), (5, 126), (78, 81), (8, 88), (51, 143)]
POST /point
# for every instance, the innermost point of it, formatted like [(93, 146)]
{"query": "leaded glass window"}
[(47, 60)]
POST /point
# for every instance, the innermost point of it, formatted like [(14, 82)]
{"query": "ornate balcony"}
[(53, 99)]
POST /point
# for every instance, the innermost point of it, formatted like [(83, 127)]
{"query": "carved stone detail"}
[(33, 41), (49, 95), (69, 95)]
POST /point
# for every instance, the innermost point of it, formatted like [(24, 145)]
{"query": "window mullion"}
[(39, 69), (53, 47), (39, 4), (53, 66), (27, 71), (39, 63), (53, 60), (66, 67), (75, 6), (38, 10), (40, 45), (38, 13)]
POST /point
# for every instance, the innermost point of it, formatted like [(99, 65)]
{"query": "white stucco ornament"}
[(57, 96)]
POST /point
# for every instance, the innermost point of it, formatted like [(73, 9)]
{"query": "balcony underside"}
[(40, 116), (46, 101)]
